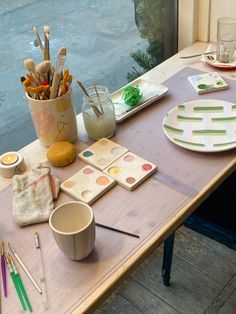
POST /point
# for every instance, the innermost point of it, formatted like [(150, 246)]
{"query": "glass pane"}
[(108, 42)]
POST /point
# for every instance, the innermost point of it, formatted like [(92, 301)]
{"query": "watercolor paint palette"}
[(208, 82), (88, 184), (130, 170), (102, 153)]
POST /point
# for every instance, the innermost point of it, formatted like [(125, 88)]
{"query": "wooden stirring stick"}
[(95, 109)]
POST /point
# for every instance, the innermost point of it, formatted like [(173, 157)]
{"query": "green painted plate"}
[(205, 125)]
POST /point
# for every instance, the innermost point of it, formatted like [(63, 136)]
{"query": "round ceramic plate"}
[(205, 125), (211, 60)]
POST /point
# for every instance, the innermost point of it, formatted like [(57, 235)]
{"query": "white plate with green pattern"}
[(205, 125)]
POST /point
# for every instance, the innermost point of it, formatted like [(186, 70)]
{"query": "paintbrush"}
[(99, 100), (117, 230), (20, 283), (41, 271), (46, 43), (15, 283), (43, 68), (39, 41), (3, 267), (58, 72), (24, 268), (93, 106), (30, 66)]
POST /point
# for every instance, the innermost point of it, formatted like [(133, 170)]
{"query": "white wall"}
[(188, 22), (198, 19), (204, 20)]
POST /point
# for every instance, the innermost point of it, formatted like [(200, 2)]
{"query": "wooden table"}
[(153, 210)]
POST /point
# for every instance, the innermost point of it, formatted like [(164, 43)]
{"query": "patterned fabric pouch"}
[(33, 195)]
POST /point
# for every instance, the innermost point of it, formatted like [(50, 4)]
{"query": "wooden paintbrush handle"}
[(55, 85)]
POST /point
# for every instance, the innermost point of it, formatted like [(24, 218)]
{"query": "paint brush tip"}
[(11, 247), (46, 29), (29, 64), (62, 51)]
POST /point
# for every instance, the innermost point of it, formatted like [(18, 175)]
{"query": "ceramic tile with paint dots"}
[(130, 170), (102, 153), (88, 184)]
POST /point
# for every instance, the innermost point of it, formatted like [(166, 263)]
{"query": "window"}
[(108, 42)]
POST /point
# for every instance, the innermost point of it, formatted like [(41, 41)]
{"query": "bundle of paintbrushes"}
[(43, 80), (93, 101), (7, 262)]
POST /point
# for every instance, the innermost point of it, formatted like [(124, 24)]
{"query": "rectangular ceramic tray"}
[(151, 92)]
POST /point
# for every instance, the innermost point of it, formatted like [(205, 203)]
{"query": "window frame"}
[(194, 22)]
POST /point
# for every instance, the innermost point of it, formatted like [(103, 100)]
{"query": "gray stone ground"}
[(99, 36)]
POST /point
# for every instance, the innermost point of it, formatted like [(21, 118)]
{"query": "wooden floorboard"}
[(220, 302), (203, 281), (204, 258), (229, 306), (218, 248), (117, 304)]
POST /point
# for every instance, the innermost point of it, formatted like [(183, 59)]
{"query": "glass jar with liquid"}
[(98, 113)]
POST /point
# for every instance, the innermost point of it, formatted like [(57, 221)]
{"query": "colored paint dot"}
[(102, 180), (87, 153), (87, 171), (69, 184), (146, 167), (130, 180), (117, 151), (129, 158), (103, 142), (102, 162), (114, 171), (86, 194)]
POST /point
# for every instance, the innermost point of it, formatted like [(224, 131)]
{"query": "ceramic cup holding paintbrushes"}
[(54, 119), (49, 98), (73, 228)]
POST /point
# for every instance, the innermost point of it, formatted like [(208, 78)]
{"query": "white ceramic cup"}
[(73, 228), (54, 119)]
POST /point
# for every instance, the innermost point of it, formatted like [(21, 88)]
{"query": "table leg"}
[(167, 259)]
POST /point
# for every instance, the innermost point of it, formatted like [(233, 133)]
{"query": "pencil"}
[(117, 230), (14, 280)]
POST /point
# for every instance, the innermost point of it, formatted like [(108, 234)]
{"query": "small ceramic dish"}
[(151, 91), (211, 60)]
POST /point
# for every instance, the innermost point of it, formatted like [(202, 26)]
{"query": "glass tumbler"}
[(98, 113), (226, 39)]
